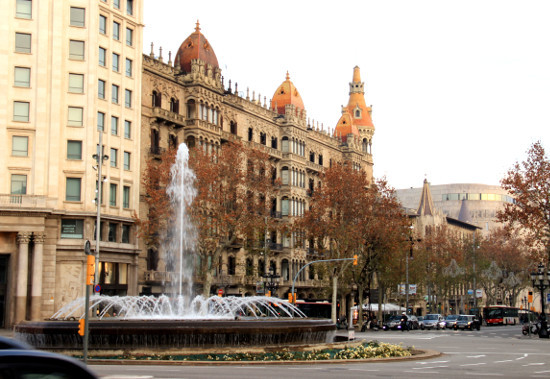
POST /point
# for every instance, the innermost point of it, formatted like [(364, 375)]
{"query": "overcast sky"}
[(460, 89)]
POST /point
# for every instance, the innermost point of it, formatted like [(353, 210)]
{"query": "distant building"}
[(476, 204)]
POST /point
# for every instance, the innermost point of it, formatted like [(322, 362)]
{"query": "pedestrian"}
[(404, 320)]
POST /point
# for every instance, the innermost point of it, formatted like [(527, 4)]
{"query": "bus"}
[(501, 315), (315, 309)]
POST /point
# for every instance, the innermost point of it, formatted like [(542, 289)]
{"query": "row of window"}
[(477, 196), (116, 30), (115, 62), (110, 232), (23, 9), (129, 6)]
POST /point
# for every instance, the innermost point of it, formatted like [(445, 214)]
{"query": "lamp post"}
[(351, 328), (271, 281), (540, 280)]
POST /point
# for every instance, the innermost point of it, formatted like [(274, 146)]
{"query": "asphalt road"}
[(500, 351)]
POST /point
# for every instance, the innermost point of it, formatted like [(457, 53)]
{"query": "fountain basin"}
[(170, 334)]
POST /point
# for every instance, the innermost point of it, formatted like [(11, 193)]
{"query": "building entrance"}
[(4, 259)]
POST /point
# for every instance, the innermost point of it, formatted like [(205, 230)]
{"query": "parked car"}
[(17, 360), (433, 321), (450, 321), (467, 322), (420, 321), (394, 322)]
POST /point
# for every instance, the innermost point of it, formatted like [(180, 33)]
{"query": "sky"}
[(460, 90)]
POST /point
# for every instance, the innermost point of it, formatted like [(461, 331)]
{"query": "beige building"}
[(73, 67), (188, 100)]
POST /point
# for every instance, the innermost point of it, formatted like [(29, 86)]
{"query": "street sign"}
[(220, 292), (97, 288), (479, 293), (548, 298)]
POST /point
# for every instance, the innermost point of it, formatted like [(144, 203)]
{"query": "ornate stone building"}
[(186, 100), (69, 69)]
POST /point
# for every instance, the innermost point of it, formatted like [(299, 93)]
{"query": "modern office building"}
[(71, 68)]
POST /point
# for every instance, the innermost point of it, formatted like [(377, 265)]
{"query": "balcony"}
[(168, 118), (160, 276), (312, 166), (273, 153), (24, 201), (156, 150)]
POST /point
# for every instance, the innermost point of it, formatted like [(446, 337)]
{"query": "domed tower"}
[(196, 46), (286, 94), (356, 116)]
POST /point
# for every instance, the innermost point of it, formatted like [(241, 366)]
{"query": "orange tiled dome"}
[(196, 46), (286, 94), (345, 126)]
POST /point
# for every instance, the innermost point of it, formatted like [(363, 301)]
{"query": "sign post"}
[(90, 274)]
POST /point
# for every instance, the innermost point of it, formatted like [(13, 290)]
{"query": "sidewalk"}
[(6, 332)]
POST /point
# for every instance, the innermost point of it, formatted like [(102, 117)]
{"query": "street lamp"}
[(540, 280), (271, 281)]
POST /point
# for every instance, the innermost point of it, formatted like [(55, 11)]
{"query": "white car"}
[(433, 321)]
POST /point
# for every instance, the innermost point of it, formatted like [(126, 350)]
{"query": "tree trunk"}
[(334, 296)]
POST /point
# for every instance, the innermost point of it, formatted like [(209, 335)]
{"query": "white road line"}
[(476, 374), (428, 368), (473, 364), (533, 364), (423, 372), (476, 356), (507, 360), (524, 356), (431, 363), (542, 372)]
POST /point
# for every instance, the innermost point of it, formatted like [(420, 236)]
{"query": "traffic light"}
[(90, 270), (355, 260), (292, 298), (81, 327), (530, 297)]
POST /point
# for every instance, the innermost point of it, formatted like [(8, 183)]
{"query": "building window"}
[(76, 50), (21, 111), (77, 16), (116, 30), (75, 116), (102, 57), (112, 232), (114, 160), (129, 37), (72, 229), (126, 197), (20, 146), (22, 77), (127, 129), (22, 43), (128, 98), (76, 83), (18, 184), (116, 4), (23, 9), (101, 89), (128, 67), (101, 121), (72, 189), (74, 150), (116, 62), (114, 93), (102, 24), (130, 7), (114, 125), (112, 195), (125, 233), (127, 156)]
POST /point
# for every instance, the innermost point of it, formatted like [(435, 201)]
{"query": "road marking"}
[(428, 368), (431, 363), (507, 360), (524, 356), (533, 364), (483, 374), (423, 372), (473, 364), (475, 356), (542, 372)]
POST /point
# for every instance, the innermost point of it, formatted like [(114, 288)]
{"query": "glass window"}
[(126, 197), (125, 231), (114, 153), (127, 157), (77, 16), (116, 4), (101, 89), (102, 24), (129, 37), (130, 7), (116, 30), (76, 50), (109, 273), (23, 9), (112, 232), (76, 83), (20, 146), (22, 77), (72, 229), (112, 195), (114, 125), (116, 62), (102, 57), (100, 121), (127, 129), (74, 150), (128, 67), (22, 43), (128, 98), (18, 184), (75, 116), (21, 111), (72, 190), (114, 93)]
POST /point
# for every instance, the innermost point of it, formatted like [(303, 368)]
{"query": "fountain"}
[(179, 320)]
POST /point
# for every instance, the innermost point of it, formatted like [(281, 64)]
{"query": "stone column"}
[(37, 266), (23, 239)]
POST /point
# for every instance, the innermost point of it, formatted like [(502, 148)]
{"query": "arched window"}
[(191, 109), (155, 141), (365, 145), (190, 142), (174, 105), (173, 141), (233, 127), (249, 267), (284, 206), (231, 265), (157, 101), (285, 271), (261, 267), (284, 145), (284, 176)]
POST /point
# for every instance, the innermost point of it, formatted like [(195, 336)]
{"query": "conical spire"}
[(426, 207), (465, 215)]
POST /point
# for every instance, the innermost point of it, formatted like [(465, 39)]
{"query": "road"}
[(499, 351)]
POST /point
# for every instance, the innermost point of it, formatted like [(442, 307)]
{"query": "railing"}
[(156, 150), (160, 276), (23, 201), (168, 116), (314, 166)]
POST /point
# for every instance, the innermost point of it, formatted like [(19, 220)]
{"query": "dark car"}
[(467, 322), (413, 322), (450, 321), (394, 322), (17, 360)]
